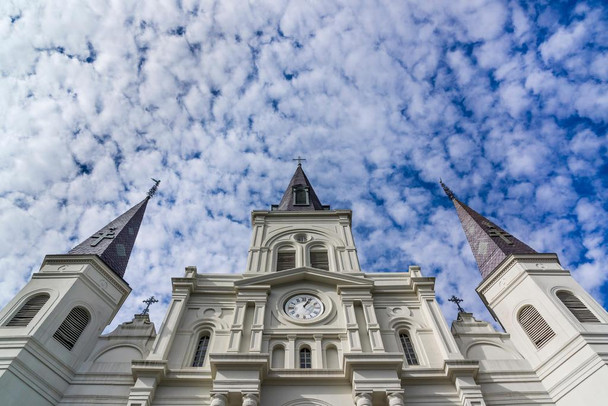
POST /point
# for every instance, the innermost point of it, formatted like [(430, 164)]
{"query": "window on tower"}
[(319, 258), (408, 349), (28, 311), (201, 351), (300, 196), (286, 258), (72, 327), (305, 358), (535, 326), (576, 307)]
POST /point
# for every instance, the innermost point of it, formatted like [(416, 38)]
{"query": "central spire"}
[(299, 195), (490, 244)]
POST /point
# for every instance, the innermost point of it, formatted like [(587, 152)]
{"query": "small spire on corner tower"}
[(114, 242)]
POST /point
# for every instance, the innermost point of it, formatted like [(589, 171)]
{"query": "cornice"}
[(300, 214), (89, 259), (507, 264)]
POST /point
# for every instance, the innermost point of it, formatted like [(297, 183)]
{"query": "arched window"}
[(576, 307), (72, 327), (408, 349), (201, 351), (278, 356), (28, 311), (286, 258), (535, 326), (305, 358), (318, 258)]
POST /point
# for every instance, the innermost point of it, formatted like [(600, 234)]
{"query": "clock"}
[(303, 307)]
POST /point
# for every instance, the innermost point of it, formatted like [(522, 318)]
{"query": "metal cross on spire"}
[(148, 302), (108, 234), (153, 189), (299, 159), (494, 232), (456, 301)]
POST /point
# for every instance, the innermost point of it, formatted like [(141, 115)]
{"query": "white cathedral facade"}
[(303, 325)]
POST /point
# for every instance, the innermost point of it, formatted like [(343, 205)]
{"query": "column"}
[(363, 399), (219, 399), (395, 398), (251, 399)]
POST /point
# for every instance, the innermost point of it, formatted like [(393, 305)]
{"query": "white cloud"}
[(216, 98)]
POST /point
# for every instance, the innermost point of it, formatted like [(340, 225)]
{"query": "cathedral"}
[(303, 325)]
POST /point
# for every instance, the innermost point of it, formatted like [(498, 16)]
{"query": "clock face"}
[(303, 307)]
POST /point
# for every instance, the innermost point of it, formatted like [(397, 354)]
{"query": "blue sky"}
[(506, 101)]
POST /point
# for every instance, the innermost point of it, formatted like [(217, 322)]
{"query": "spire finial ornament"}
[(447, 190), (148, 302), (457, 301), (299, 159), (153, 189)]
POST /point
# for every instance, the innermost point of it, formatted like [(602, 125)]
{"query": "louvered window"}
[(576, 307), (286, 259), (201, 350), (535, 326), (28, 311), (319, 259), (408, 349), (72, 327), (300, 195), (305, 359)]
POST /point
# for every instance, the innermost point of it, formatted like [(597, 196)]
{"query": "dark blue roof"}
[(114, 242)]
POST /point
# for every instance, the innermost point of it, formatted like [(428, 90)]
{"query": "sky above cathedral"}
[(506, 101)]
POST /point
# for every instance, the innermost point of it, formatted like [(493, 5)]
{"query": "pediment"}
[(305, 273)]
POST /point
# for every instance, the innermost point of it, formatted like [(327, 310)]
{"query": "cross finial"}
[(148, 302), (154, 187), (456, 301), (299, 159), (447, 190)]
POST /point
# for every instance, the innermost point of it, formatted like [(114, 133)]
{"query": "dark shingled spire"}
[(114, 242), (307, 198), (490, 244)]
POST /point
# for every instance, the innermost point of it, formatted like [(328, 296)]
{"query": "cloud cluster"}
[(505, 100)]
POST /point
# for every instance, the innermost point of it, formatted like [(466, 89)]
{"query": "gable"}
[(305, 273)]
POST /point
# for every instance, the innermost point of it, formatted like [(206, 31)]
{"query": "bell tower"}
[(553, 322), (301, 232), (51, 326)]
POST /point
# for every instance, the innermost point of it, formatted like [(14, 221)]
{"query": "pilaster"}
[(424, 286)]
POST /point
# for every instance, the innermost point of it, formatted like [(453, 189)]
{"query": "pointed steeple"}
[(299, 195), (490, 244), (114, 242)]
